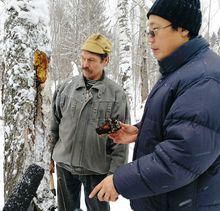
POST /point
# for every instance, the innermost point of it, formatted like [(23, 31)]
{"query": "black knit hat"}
[(181, 13)]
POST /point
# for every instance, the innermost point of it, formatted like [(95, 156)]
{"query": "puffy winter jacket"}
[(177, 153)]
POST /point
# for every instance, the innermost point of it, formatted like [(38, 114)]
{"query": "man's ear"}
[(185, 32), (106, 60)]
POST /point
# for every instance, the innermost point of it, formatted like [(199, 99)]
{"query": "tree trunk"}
[(24, 120), (125, 45)]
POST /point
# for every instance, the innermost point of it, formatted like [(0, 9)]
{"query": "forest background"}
[(56, 29)]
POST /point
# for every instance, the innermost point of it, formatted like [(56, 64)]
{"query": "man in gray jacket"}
[(80, 105)]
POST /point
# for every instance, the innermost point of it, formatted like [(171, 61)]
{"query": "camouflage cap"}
[(97, 43)]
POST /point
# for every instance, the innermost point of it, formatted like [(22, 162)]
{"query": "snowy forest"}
[(40, 44)]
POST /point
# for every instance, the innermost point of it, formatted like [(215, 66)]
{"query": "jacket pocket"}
[(101, 111), (67, 105), (68, 121)]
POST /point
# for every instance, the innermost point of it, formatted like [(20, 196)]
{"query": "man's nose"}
[(150, 39), (85, 64)]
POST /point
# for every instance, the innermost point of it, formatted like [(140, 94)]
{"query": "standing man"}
[(176, 163), (80, 105)]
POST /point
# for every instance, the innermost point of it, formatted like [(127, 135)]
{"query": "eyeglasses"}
[(152, 33)]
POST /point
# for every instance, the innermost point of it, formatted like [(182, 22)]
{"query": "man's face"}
[(164, 40), (92, 65)]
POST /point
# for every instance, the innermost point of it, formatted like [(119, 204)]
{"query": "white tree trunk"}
[(125, 45), (25, 132)]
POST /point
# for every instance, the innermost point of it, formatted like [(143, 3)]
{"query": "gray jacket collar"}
[(99, 85)]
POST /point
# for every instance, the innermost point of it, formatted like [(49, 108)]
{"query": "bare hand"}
[(105, 190), (127, 134)]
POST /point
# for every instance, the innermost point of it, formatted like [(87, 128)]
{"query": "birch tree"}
[(125, 45), (25, 30)]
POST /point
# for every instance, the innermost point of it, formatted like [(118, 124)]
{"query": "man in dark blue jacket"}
[(177, 143)]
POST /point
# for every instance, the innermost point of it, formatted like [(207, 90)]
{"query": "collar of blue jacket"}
[(182, 55)]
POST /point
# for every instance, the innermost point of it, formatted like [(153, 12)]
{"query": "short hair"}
[(191, 35)]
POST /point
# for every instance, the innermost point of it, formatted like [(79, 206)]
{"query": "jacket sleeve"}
[(55, 120), (190, 146), (119, 154)]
